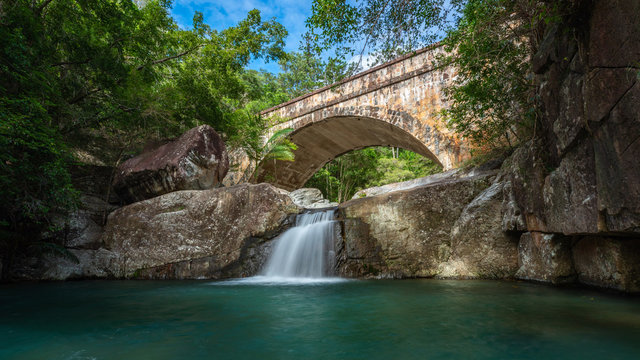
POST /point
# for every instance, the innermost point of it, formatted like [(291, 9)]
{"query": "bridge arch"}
[(342, 130)]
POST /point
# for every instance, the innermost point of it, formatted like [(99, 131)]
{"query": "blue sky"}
[(225, 13)]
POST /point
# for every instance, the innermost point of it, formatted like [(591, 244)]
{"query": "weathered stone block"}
[(614, 34), (570, 122), (617, 166), (512, 217), (604, 90), (608, 262), (570, 196), (359, 255), (409, 229), (405, 185), (545, 257), (526, 171), (310, 198), (82, 232), (186, 225), (197, 160), (89, 264), (478, 242)]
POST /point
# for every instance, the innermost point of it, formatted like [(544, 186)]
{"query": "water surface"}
[(409, 319)]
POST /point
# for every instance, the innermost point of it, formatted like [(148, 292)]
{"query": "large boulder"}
[(479, 247), (78, 264), (193, 234), (405, 233), (545, 258), (310, 198), (197, 160), (409, 184)]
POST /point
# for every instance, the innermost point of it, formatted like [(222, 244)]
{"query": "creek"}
[(372, 319)]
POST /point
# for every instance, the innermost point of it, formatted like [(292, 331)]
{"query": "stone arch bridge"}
[(393, 104)]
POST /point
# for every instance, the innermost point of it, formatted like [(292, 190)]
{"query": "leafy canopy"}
[(384, 28), (73, 71), (490, 42)]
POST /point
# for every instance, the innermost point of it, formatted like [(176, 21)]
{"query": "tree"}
[(493, 101), (75, 70), (302, 73), (490, 42), (384, 28)]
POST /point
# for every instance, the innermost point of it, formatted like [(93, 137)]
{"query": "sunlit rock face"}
[(310, 198), (191, 234), (197, 160), (478, 242), (450, 228), (409, 184)]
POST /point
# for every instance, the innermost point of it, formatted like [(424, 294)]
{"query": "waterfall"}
[(306, 250)]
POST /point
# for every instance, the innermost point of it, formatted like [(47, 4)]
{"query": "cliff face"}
[(578, 186), (571, 196), (589, 70)]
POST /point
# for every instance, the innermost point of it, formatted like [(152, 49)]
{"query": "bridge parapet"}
[(384, 75)]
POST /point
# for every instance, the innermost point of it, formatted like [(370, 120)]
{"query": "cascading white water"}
[(306, 250)]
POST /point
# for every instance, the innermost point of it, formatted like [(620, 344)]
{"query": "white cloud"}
[(366, 62)]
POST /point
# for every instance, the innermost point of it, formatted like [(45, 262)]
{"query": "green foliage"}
[(33, 163), (116, 69), (341, 178), (302, 73), (386, 28), (262, 91), (492, 101), (491, 42), (277, 147)]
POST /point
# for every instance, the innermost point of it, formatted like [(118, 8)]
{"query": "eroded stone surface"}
[(525, 173), (545, 258), (570, 196), (197, 160), (608, 262), (405, 233), (512, 217), (409, 184), (87, 264), (479, 247), (617, 148), (184, 226), (310, 198)]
